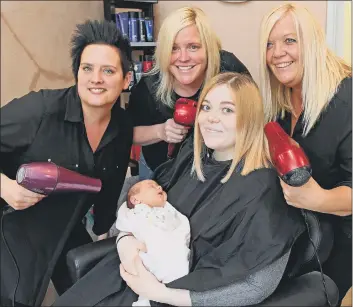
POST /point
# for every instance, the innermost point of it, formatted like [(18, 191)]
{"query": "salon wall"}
[(35, 39), (35, 36), (348, 31), (238, 24)]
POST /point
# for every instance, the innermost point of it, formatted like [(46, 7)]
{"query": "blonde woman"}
[(188, 53), (309, 90), (242, 230)]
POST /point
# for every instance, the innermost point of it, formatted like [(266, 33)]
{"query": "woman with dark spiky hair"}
[(81, 128)]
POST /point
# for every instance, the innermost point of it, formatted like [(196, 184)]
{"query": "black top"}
[(329, 143), (145, 110), (48, 126)]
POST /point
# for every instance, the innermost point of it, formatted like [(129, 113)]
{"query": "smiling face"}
[(188, 61), (150, 193), (283, 54), (217, 122), (100, 79)]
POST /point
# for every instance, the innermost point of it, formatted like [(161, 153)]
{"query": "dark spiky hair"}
[(99, 32)]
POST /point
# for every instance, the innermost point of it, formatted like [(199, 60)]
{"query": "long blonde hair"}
[(322, 69), (170, 27), (251, 144)]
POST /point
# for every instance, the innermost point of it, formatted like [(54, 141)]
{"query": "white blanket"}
[(166, 234)]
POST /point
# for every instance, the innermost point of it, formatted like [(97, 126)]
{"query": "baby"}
[(165, 231)]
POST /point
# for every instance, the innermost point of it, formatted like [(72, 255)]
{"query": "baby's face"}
[(151, 194)]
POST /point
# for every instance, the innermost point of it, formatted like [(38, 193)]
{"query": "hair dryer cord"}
[(317, 256), (12, 256)]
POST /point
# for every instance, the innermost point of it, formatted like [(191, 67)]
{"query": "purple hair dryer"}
[(47, 177)]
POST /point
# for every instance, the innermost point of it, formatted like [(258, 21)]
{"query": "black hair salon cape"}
[(237, 228)]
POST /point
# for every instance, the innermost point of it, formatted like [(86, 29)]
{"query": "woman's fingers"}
[(175, 135), (29, 194), (142, 247)]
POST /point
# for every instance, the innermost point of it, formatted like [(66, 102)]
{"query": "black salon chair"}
[(300, 286)]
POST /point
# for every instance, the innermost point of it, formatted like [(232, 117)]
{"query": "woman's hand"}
[(308, 196), (102, 236), (172, 132), (144, 283), (128, 250), (312, 196), (17, 196)]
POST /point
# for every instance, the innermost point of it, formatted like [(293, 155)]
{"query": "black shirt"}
[(48, 126), (146, 110), (329, 143)]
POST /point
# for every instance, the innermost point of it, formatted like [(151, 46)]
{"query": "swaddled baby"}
[(165, 231)]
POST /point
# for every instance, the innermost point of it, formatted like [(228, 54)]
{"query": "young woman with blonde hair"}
[(242, 230), (187, 55), (308, 89)]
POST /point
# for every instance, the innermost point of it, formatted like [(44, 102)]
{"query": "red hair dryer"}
[(184, 114), (47, 177), (288, 157)]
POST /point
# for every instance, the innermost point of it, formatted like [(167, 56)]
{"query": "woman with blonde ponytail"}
[(308, 89)]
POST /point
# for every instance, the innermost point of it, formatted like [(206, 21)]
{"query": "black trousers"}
[(339, 265), (60, 277)]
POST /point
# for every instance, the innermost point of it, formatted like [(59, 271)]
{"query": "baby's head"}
[(146, 192)]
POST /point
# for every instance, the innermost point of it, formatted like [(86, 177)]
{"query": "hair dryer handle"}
[(171, 147)]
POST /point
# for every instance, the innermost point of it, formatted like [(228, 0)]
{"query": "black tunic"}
[(329, 145), (146, 110), (237, 228), (48, 125)]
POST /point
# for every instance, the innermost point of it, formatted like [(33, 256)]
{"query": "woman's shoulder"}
[(344, 92), (262, 179), (340, 106), (229, 62), (150, 82), (144, 90)]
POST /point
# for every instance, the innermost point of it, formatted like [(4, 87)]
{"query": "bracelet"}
[(125, 235)]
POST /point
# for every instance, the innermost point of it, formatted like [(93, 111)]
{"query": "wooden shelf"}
[(143, 44), (148, 1)]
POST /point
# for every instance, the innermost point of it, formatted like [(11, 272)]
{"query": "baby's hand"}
[(128, 249)]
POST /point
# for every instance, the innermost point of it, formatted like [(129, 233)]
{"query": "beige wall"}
[(237, 24), (35, 36), (348, 31), (35, 39)]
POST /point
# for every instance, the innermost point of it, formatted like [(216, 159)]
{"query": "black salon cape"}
[(237, 228)]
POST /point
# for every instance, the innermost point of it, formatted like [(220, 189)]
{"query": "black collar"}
[(73, 106), (74, 114), (286, 123)]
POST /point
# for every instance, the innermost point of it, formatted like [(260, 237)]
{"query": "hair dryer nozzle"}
[(46, 178), (184, 114), (287, 156), (298, 176)]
